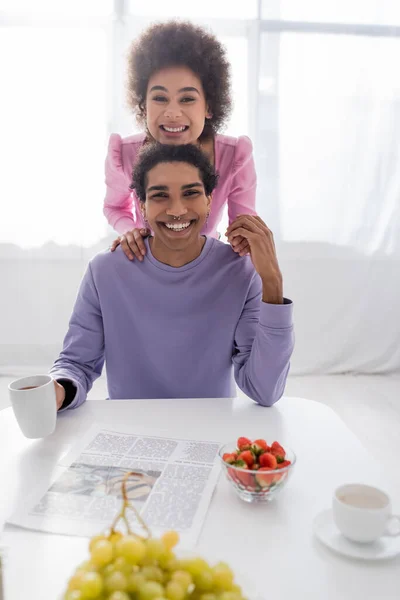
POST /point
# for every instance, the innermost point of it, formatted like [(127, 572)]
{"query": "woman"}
[(179, 88)]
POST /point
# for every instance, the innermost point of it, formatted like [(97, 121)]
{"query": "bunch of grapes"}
[(132, 567)]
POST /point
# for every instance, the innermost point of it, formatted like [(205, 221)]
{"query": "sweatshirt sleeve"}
[(82, 357), (264, 342), (118, 201), (242, 197)]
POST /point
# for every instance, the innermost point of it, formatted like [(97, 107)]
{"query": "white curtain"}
[(317, 88)]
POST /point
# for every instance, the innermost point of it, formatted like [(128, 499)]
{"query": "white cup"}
[(36, 408), (363, 513)]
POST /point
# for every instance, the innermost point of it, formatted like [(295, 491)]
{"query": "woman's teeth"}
[(174, 129), (177, 226)]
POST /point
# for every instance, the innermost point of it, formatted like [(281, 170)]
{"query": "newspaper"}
[(172, 489)]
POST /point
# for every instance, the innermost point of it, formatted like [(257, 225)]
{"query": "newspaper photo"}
[(171, 487)]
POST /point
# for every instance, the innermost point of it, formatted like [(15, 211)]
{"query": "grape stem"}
[(125, 505)]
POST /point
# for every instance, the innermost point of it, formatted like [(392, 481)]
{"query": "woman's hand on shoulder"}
[(132, 243)]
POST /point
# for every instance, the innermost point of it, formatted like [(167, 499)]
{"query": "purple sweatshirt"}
[(167, 332)]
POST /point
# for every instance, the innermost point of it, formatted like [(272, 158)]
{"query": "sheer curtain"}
[(316, 86), (328, 146)]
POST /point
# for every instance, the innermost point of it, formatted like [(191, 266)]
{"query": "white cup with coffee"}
[(33, 400), (363, 513)]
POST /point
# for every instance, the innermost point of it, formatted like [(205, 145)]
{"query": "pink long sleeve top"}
[(236, 186)]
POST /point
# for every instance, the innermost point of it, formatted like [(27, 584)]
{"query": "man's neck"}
[(176, 258)]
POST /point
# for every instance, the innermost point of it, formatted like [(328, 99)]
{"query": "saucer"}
[(327, 533)]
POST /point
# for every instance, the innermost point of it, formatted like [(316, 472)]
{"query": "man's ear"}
[(143, 210), (209, 203)]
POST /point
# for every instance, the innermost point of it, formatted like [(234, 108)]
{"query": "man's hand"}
[(262, 252), (60, 394)]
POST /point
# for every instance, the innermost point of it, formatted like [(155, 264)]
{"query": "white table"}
[(272, 543)]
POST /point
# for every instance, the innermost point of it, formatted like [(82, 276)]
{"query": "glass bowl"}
[(254, 486)]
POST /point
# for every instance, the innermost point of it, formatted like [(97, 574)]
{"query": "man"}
[(176, 324)]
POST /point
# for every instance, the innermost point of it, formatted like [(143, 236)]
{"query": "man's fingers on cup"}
[(60, 394)]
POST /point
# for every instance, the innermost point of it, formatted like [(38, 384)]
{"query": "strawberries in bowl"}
[(257, 470)]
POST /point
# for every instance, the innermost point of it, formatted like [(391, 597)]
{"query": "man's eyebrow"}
[(188, 186), (159, 188)]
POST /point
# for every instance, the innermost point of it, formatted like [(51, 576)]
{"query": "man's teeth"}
[(177, 226), (174, 129)]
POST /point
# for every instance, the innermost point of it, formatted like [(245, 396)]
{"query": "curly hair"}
[(182, 44), (154, 154)]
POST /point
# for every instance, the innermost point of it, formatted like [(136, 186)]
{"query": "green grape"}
[(109, 570), (175, 591), (153, 573), (208, 596), (119, 596), (236, 588), (151, 590), (115, 536), (121, 564), (183, 578), (91, 585), (155, 549), (168, 561), (87, 565), (75, 581), (73, 595), (223, 577), (131, 548), (204, 581), (116, 582), (230, 596), (195, 566), (170, 539), (102, 553), (95, 539), (135, 582)]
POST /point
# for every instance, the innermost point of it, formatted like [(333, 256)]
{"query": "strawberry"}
[(241, 477), (277, 450), (284, 463), (232, 474), (246, 479), (248, 457), (244, 443), (268, 460), (265, 479), (260, 446), (229, 457)]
